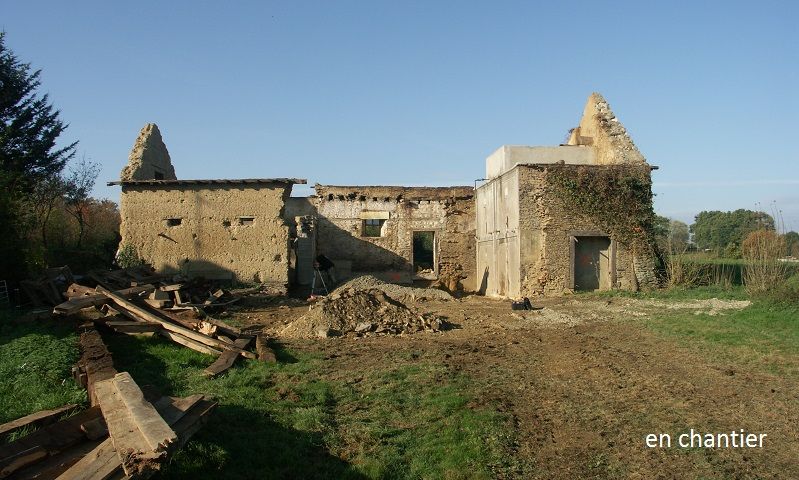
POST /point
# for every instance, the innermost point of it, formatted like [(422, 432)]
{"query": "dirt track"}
[(585, 382)]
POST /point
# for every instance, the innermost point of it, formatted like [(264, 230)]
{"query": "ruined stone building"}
[(512, 236), (220, 229), (398, 233), (531, 241)]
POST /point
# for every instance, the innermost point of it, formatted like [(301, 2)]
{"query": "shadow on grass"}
[(281, 353), (239, 442), (241, 438)]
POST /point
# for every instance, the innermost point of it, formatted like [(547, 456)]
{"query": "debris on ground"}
[(399, 293), (47, 289), (126, 432), (363, 312)]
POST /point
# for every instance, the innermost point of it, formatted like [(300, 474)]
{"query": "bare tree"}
[(79, 183)]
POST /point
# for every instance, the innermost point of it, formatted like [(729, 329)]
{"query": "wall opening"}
[(373, 227), (424, 254), (173, 222), (592, 263), (246, 221)]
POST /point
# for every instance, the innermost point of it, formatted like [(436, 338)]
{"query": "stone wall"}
[(229, 232), (448, 211), (547, 227)]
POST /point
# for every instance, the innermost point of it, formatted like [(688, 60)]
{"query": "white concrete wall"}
[(497, 230), (508, 156)]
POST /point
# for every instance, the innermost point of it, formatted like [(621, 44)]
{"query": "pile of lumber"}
[(127, 432), (46, 290), (126, 305)]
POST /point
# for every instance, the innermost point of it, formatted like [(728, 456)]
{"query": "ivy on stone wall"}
[(618, 198)]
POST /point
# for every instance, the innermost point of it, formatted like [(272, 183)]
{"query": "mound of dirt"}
[(397, 292), (360, 312)]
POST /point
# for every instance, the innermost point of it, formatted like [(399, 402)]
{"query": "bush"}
[(128, 257)]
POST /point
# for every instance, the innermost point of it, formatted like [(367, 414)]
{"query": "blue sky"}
[(419, 93)]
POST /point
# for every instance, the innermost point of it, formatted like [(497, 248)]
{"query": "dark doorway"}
[(424, 257), (591, 263)]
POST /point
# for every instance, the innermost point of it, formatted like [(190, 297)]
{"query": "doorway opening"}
[(591, 263), (424, 254)]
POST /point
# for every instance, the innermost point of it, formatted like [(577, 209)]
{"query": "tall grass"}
[(686, 270), (763, 271)]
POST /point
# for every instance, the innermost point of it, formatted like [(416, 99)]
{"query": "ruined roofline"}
[(543, 166), (353, 192), (239, 181)]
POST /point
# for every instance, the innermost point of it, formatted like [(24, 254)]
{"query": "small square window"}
[(246, 221), (373, 227), (173, 222)]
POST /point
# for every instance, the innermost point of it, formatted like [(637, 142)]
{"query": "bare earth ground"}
[(585, 380)]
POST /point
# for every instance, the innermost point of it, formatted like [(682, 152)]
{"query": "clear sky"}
[(419, 93)]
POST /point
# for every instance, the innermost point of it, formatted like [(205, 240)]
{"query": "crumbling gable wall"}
[(210, 230), (449, 211), (600, 128), (149, 158)]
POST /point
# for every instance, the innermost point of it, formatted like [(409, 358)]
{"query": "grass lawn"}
[(36, 367)]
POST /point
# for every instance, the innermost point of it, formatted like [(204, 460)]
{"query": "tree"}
[(670, 235), (29, 129), (726, 231), (79, 184)]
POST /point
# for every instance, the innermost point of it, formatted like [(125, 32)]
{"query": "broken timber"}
[(265, 354), (139, 435), (77, 303), (95, 363), (171, 328), (103, 462), (38, 419), (226, 359), (47, 441)]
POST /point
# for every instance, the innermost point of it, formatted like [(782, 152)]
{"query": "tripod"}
[(318, 273)]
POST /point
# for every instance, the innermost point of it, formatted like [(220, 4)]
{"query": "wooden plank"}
[(38, 419), (139, 434), (95, 362), (77, 290), (265, 353), (186, 332), (52, 439), (103, 462), (78, 303), (226, 359), (223, 327), (188, 342), (54, 466), (193, 421), (125, 326), (171, 288)]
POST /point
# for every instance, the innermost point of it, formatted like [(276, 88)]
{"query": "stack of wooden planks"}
[(122, 435), (134, 310)]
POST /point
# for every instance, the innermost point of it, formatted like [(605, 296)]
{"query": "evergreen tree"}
[(29, 128)]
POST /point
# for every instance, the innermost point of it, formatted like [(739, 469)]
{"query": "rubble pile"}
[(397, 292), (360, 312)]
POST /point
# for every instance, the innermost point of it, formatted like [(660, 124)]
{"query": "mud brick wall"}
[(215, 237), (546, 225), (449, 211)]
